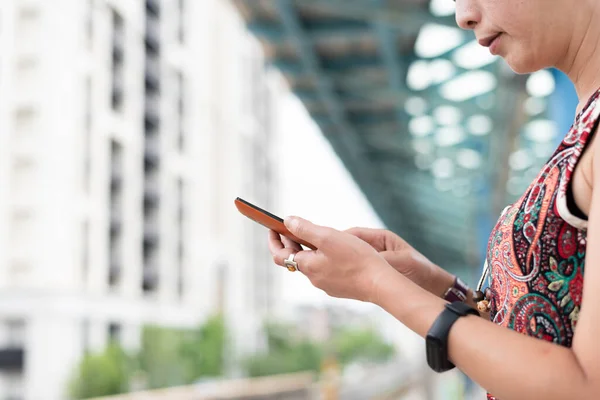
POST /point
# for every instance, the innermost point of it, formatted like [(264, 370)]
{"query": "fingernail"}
[(291, 223)]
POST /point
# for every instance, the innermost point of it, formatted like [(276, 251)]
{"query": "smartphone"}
[(268, 220)]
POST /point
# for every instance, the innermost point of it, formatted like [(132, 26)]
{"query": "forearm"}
[(498, 359)]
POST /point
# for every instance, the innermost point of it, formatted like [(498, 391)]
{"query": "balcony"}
[(114, 274), (151, 154), (115, 214), (151, 230), (153, 7), (151, 196), (115, 226), (151, 199), (117, 89), (152, 37), (116, 176), (152, 111), (152, 75), (118, 46), (12, 358), (150, 278)]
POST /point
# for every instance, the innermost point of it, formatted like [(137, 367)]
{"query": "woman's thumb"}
[(304, 229)]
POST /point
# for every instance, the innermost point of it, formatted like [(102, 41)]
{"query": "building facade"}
[(127, 128)]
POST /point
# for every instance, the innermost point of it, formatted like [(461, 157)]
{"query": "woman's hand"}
[(406, 259), (343, 265)]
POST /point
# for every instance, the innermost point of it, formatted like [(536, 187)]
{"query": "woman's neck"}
[(582, 60)]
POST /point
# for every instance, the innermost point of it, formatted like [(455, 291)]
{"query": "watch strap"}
[(437, 336), (457, 292)]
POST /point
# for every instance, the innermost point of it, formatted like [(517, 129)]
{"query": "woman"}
[(538, 335)]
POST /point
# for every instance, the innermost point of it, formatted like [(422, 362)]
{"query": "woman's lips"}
[(494, 45), (491, 42)]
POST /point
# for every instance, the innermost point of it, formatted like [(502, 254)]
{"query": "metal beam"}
[(347, 143), (353, 64), (391, 57), (390, 98), (403, 16), (276, 34), (311, 65)]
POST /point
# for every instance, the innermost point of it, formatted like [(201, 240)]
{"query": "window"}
[(114, 332), (87, 136), (115, 212), (26, 73), (23, 176), (85, 336), (180, 237), (118, 28), (21, 238), (150, 279), (89, 25), (27, 32), (13, 385), (85, 251), (15, 333), (181, 22), (221, 286), (181, 111), (25, 124)]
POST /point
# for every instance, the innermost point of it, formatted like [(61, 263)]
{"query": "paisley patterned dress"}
[(536, 251)]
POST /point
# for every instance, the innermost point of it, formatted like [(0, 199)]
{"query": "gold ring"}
[(290, 264)]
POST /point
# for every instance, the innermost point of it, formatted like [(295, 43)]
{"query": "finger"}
[(282, 254), (396, 258), (306, 259), (290, 244), (308, 231), (275, 243), (369, 235)]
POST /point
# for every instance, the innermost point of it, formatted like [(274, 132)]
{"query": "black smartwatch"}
[(437, 337)]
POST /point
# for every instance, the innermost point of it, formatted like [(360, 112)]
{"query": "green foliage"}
[(279, 337), (171, 357), (102, 374), (288, 354), (300, 356), (202, 350), (167, 357), (361, 345), (159, 357)]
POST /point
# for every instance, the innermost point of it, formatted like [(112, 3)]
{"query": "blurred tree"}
[(167, 357), (279, 336), (102, 374), (170, 357), (361, 345), (288, 354), (202, 350), (301, 356), (159, 357)]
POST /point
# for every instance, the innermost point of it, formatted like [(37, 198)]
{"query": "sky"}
[(313, 183)]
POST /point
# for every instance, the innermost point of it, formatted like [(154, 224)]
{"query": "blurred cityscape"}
[(127, 129)]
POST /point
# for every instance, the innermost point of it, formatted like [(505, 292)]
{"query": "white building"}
[(127, 128)]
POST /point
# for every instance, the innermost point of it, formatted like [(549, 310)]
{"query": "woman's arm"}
[(508, 364)]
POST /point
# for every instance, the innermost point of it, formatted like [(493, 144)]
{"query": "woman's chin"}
[(521, 65)]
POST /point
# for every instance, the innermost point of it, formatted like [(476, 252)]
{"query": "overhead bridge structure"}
[(422, 117)]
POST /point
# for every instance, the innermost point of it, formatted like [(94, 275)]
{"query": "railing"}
[(384, 382), (282, 387)]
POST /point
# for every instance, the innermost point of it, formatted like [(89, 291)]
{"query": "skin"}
[(378, 266)]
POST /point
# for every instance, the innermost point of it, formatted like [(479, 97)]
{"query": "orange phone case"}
[(268, 220)]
